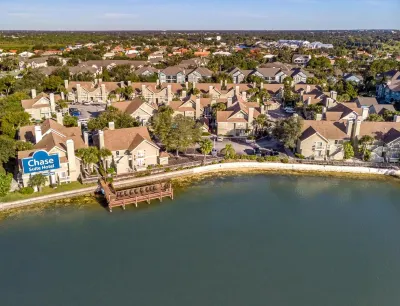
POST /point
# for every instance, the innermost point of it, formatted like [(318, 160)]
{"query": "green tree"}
[(162, 123), (364, 143), (70, 121), (7, 149), (89, 156), (288, 131), (38, 181), (62, 72), (217, 107), (23, 145), (103, 154), (53, 83), (7, 84), (53, 61), (375, 118), (228, 152), (5, 183), (184, 132), (206, 146), (348, 150)]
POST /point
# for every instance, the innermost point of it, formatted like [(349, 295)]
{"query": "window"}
[(338, 142), (117, 153)]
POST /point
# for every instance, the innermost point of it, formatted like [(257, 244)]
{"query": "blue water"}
[(246, 240)]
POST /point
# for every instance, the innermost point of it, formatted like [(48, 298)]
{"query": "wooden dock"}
[(135, 195)]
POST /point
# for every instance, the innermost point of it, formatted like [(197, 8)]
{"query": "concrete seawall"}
[(206, 169)]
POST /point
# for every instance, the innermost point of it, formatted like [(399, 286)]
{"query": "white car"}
[(219, 138), (289, 110)]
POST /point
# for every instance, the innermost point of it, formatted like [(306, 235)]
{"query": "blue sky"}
[(203, 14)]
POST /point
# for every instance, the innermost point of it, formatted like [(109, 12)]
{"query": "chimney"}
[(71, 156), (122, 84), (323, 110), (129, 83), (62, 96), (210, 89), (183, 94), (349, 127), (357, 128), (38, 133), (60, 119), (143, 89), (33, 93), (169, 92), (396, 118), (229, 104), (263, 109), (308, 102), (100, 81), (187, 85), (302, 91), (237, 91), (333, 95), (194, 85), (365, 113), (329, 103), (158, 82), (86, 137), (96, 81), (66, 84), (226, 83), (198, 108), (111, 126), (258, 100), (78, 92), (103, 92), (261, 85), (101, 139), (308, 88), (52, 103), (254, 85), (220, 83), (244, 96), (79, 124), (318, 117), (251, 116)]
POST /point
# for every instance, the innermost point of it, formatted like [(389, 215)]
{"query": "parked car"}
[(74, 112), (220, 138), (289, 110)]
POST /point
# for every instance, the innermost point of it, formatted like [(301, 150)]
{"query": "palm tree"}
[(260, 122), (37, 180), (206, 146), (103, 154), (228, 151), (89, 156), (364, 142)]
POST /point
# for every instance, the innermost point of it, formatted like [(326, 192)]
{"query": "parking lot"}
[(88, 111)]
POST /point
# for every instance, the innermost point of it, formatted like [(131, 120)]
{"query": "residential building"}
[(323, 139), (132, 148), (389, 91), (238, 118), (301, 59), (193, 107), (40, 106), (199, 74), (53, 138), (173, 74), (97, 91), (270, 75), (239, 75), (138, 109), (349, 77)]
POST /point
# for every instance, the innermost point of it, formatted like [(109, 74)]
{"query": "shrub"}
[(285, 160), (109, 179), (260, 159), (271, 158), (301, 156), (367, 155), (205, 134), (26, 190)]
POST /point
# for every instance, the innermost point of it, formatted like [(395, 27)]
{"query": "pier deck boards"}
[(135, 195)]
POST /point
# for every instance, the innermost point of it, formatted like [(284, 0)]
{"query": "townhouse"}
[(301, 59), (199, 74), (389, 91), (275, 74), (238, 118), (132, 148), (50, 138), (40, 106), (97, 91), (193, 107), (174, 74), (138, 109)]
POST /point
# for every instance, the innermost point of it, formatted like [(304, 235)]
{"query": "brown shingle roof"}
[(378, 130), (125, 139), (327, 129)]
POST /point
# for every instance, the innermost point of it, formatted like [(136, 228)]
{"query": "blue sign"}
[(40, 161)]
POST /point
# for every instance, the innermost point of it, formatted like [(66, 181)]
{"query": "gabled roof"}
[(239, 107), (30, 103), (366, 101), (173, 70), (130, 107), (341, 110), (326, 129), (202, 71), (126, 139), (379, 130)]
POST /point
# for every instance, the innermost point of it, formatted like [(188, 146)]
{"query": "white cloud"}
[(19, 14)]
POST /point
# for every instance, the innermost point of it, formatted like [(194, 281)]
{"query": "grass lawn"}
[(15, 196)]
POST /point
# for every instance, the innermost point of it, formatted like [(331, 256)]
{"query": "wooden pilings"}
[(135, 195)]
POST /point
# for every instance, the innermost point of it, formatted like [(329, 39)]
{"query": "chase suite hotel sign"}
[(40, 161)]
